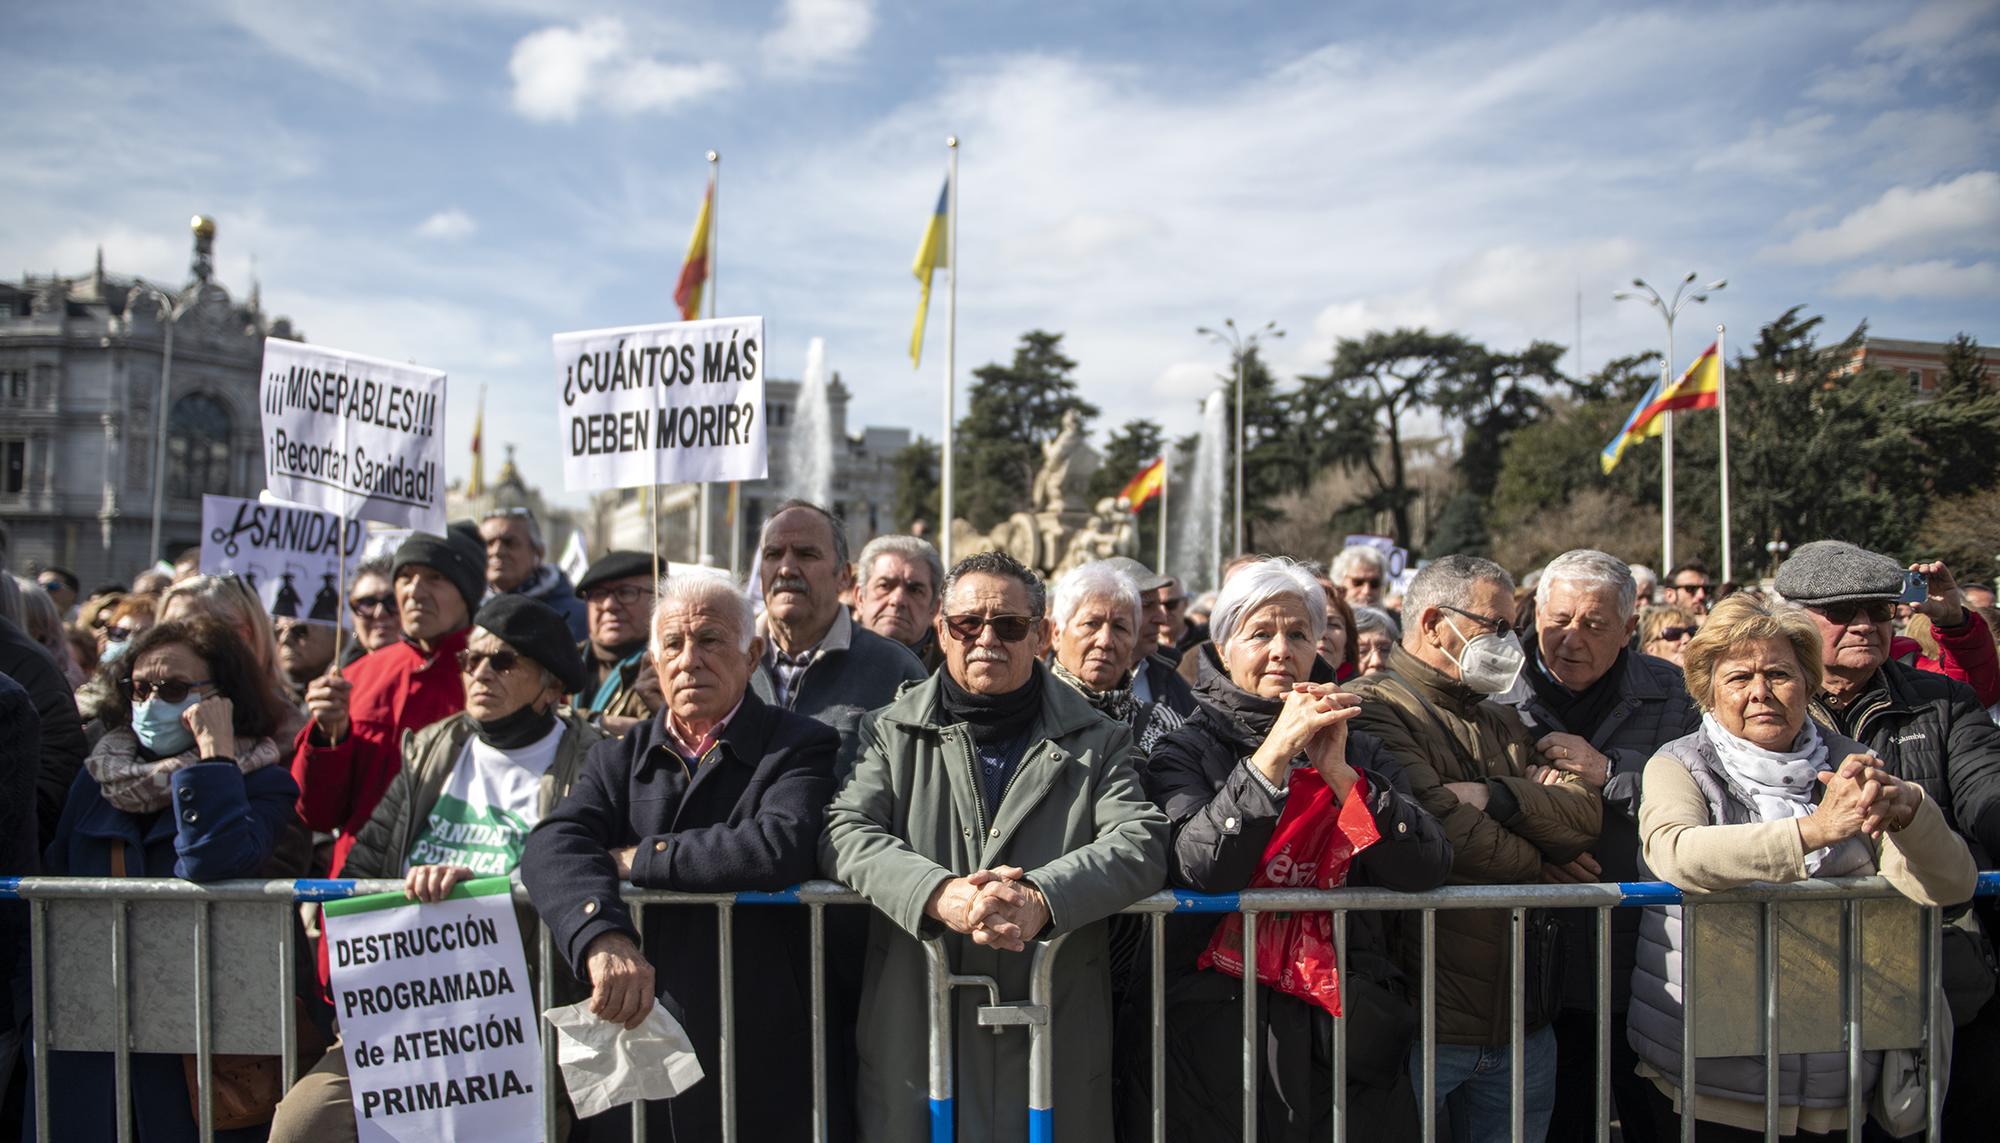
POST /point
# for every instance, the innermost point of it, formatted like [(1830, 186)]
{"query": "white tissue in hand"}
[(606, 1065)]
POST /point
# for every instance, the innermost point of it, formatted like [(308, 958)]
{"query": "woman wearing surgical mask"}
[(185, 782), (117, 629)]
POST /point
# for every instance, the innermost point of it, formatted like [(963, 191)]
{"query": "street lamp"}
[(1670, 311), (171, 308), (1239, 343)]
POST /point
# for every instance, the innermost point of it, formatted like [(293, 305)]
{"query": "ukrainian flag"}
[(933, 252)]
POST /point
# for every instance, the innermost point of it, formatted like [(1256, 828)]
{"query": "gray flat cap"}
[(1145, 577), (1835, 571)]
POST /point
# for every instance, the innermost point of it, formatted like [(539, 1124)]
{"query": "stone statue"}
[(1068, 463)]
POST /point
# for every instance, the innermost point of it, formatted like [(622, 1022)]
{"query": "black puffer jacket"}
[(1222, 817), (1932, 731), (1653, 708)]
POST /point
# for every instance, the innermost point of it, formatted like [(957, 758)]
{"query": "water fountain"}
[(809, 463), (1198, 522)]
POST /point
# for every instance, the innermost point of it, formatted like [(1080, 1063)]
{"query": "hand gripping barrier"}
[(124, 965)]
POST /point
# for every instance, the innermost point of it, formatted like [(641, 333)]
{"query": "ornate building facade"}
[(80, 413)]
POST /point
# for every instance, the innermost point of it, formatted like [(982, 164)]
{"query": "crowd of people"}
[(996, 762)]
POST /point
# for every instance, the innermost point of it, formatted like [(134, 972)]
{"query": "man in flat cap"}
[(500, 765), (620, 690), (1931, 730)]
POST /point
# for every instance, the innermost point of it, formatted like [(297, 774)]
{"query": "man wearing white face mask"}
[(1468, 759)]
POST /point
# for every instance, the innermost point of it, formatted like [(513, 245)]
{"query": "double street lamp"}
[(1668, 310), (1239, 343)]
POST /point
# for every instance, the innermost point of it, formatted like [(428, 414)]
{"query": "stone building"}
[(864, 489), (80, 371)]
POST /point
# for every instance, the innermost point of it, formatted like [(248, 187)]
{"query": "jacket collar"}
[(743, 738), (1437, 685), (447, 649), (838, 637), (1064, 711)]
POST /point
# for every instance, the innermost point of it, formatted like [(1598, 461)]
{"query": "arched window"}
[(197, 447)]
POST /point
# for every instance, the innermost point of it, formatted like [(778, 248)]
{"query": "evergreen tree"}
[(1014, 410), (917, 491)]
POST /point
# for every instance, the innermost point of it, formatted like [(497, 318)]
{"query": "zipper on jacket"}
[(978, 789)]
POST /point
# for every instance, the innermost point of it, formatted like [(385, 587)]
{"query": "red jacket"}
[(1965, 653), (393, 690)]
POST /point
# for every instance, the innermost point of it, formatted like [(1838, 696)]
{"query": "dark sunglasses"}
[(1497, 626), (625, 594), (1010, 628), (294, 633), (503, 661), (1701, 587), (372, 605), (168, 690), (51, 584), (1177, 603), (1676, 634), (1878, 610)]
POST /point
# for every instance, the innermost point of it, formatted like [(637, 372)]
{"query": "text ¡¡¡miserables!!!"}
[(681, 402), (359, 437)]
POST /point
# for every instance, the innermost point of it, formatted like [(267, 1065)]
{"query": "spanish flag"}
[(1698, 388), (694, 271), (933, 252), (1145, 486)]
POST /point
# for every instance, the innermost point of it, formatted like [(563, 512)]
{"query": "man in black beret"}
[(1929, 729), (470, 789), (620, 690)]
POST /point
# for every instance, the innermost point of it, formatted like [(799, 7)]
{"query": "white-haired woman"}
[(1099, 618), (1761, 793), (1223, 780), (1376, 633)]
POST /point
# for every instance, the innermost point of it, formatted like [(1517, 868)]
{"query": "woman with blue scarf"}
[(186, 782), (1760, 793)]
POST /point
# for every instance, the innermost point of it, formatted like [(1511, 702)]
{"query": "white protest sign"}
[(681, 402), (360, 437), (291, 557), (436, 1015), (1397, 558)]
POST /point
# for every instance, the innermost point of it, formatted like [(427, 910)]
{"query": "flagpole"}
[(946, 501), (1166, 482), (1722, 412), (703, 543)]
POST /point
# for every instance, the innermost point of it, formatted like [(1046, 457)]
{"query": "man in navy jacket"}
[(721, 792)]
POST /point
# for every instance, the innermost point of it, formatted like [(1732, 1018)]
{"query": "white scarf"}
[(1776, 784)]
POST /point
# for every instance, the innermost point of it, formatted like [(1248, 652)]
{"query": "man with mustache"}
[(818, 661)]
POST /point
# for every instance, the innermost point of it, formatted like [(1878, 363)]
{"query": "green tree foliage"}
[(1964, 377), (916, 469), (1014, 410), (1359, 412)]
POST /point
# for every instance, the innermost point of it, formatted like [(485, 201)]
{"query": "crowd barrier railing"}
[(113, 972)]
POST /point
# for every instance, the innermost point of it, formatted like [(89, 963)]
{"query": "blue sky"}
[(455, 184)]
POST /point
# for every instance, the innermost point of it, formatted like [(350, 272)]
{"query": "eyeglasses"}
[(1497, 626), (1010, 628), (625, 594), (51, 584), (1704, 587), (168, 690), (294, 633), (1842, 614), (372, 605), (1676, 634), (1177, 603), (119, 633), (503, 661)]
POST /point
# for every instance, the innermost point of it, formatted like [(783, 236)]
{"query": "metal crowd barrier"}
[(185, 1008)]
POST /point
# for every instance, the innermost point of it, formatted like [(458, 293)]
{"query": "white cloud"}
[(1936, 278), (816, 32), (560, 71), (1906, 220), (448, 225)]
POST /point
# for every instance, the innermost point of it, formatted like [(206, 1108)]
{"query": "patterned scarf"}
[(1116, 705), (137, 786)]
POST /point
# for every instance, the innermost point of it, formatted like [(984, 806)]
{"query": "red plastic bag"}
[(1311, 848)]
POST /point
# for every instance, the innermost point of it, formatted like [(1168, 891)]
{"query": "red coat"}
[(1965, 653), (393, 690)]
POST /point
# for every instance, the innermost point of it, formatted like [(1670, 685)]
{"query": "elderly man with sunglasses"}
[(470, 789), (620, 689), (1930, 730), (992, 808), (1472, 762)]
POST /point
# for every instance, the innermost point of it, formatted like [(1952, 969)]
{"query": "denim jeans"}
[(1479, 1078)]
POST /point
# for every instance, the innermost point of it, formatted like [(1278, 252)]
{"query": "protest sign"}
[(291, 557), (662, 404), (436, 1015), (359, 437), (1396, 558)]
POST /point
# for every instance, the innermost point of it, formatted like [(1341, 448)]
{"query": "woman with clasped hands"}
[(1760, 793), (1224, 779)]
